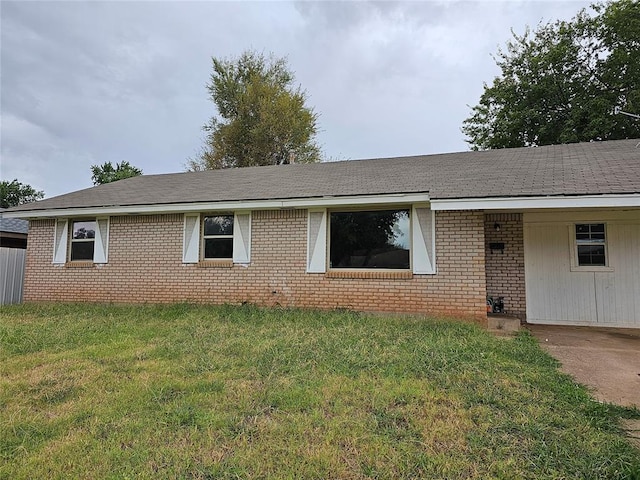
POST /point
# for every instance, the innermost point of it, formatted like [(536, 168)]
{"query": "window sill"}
[(375, 274), (79, 265), (592, 269), (215, 264)]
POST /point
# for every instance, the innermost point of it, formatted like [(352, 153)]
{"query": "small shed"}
[(13, 245)]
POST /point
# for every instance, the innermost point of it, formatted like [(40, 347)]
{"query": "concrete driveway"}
[(605, 359)]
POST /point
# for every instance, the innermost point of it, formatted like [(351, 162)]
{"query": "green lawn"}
[(241, 392)]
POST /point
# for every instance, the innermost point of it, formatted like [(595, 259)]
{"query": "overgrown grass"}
[(241, 392)]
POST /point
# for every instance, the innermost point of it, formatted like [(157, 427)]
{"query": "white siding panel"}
[(557, 295), (618, 292), (554, 293)]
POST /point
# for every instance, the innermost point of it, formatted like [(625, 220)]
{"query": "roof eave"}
[(555, 201), (276, 204)]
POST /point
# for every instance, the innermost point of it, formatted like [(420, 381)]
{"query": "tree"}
[(561, 83), (107, 173), (263, 119), (15, 193)]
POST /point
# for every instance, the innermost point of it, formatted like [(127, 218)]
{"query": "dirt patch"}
[(632, 428), (606, 360)]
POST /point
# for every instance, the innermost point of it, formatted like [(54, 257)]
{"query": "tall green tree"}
[(15, 193), (263, 118), (561, 83), (107, 173)]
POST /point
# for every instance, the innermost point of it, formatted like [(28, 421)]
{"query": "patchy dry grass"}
[(240, 392)]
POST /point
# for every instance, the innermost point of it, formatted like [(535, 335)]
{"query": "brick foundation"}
[(505, 269), (145, 266)]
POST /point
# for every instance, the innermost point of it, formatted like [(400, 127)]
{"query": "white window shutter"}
[(191, 239), (317, 241), (60, 241), (242, 238), (101, 246), (423, 240)]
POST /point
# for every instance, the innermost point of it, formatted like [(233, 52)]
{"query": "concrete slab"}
[(605, 359), (503, 324)]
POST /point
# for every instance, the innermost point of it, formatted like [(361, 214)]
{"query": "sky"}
[(83, 83)]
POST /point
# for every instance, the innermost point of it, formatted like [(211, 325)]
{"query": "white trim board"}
[(511, 203), (236, 206), (535, 321)]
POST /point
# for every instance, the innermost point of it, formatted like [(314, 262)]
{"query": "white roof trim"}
[(346, 201), (507, 203)]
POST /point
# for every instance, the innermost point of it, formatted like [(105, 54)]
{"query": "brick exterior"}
[(145, 266), (505, 270)]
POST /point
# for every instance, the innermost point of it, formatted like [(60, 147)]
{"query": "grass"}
[(240, 392)]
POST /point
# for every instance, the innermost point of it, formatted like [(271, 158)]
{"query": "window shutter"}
[(242, 238), (317, 241), (60, 241), (423, 244), (191, 239), (100, 249)]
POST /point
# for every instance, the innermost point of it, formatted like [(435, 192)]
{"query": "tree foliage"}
[(107, 173), (560, 84), (15, 193), (263, 119)]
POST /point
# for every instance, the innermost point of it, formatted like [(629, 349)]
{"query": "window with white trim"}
[(403, 239), (81, 240), (217, 236), (372, 239), (591, 244)]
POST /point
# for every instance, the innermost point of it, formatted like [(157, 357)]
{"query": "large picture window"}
[(591, 244), (370, 239), (218, 237), (83, 239)]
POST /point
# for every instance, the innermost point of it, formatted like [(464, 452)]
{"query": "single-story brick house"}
[(554, 230)]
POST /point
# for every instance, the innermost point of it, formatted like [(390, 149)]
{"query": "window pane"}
[(218, 248), (589, 255), (82, 250), (84, 230), (590, 232), (376, 239), (218, 225)]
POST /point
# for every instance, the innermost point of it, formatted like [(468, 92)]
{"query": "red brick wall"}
[(145, 265), (505, 270)]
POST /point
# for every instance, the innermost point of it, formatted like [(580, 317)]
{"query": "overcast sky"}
[(89, 82)]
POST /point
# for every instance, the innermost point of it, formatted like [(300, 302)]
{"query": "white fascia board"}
[(520, 203), (247, 205)]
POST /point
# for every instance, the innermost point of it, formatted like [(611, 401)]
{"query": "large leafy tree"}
[(15, 193), (263, 118), (562, 82), (107, 173)]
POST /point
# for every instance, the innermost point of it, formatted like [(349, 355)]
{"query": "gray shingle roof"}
[(13, 225), (611, 167)]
